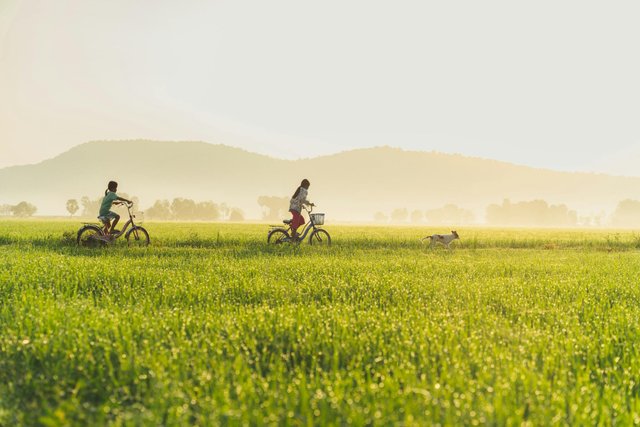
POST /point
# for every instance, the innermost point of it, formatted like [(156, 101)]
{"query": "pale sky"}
[(552, 84)]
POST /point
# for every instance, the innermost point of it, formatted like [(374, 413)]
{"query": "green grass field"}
[(211, 326)]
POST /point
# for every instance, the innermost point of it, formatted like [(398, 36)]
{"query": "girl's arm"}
[(122, 199), (304, 199)]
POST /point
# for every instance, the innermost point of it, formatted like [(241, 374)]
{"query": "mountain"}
[(348, 185)]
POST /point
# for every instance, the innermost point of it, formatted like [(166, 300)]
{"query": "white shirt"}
[(297, 202)]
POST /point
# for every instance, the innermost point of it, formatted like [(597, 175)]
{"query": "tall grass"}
[(210, 325)]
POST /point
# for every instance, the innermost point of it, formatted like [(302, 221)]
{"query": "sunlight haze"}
[(320, 213), (545, 84)]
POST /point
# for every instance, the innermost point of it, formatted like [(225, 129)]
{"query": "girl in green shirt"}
[(106, 214)]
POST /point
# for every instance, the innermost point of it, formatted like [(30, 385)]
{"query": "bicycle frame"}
[(94, 233), (307, 228), (310, 229), (126, 224)]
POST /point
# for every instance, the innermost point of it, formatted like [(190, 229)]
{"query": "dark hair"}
[(305, 183), (112, 186)]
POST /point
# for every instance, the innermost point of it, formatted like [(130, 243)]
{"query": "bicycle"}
[(93, 235), (319, 236)]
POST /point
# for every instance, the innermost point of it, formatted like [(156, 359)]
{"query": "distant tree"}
[(627, 214), (498, 214), (189, 210), (273, 208), (598, 218), (225, 210), (5, 210), (72, 206), (399, 215), (380, 217), (184, 209), (593, 220), (236, 215), (449, 214), (417, 216), (561, 215), (90, 208), (535, 212), (23, 209), (585, 221), (161, 210), (207, 211)]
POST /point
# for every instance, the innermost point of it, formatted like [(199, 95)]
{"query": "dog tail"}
[(424, 238)]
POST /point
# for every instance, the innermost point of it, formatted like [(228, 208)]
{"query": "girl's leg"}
[(297, 221), (115, 221)]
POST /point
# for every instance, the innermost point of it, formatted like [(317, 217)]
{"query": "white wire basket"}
[(317, 218), (138, 217)]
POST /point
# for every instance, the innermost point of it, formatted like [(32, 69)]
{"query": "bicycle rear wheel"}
[(90, 236), (278, 236), (320, 237)]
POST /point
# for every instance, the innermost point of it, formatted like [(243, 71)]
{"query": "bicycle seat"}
[(286, 221)]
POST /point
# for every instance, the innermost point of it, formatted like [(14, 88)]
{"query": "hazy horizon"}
[(546, 84), (325, 154), (382, 184), (308, 157)]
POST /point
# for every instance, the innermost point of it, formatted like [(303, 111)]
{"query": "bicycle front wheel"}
[(278, 236), (137, 236), (320, 237)]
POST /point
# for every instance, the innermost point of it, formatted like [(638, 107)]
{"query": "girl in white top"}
[(298, 200)]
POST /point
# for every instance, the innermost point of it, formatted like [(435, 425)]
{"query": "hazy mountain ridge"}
[(348, 185)]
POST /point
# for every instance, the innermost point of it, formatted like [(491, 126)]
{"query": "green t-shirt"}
[(108, 200)]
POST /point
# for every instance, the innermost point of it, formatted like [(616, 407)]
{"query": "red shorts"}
[(298, 219)]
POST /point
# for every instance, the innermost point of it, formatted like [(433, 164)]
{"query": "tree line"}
[(448, 214), (21, 210), (274, 208), (179, 209), (524, 213), (190, 210), (534, 212)]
